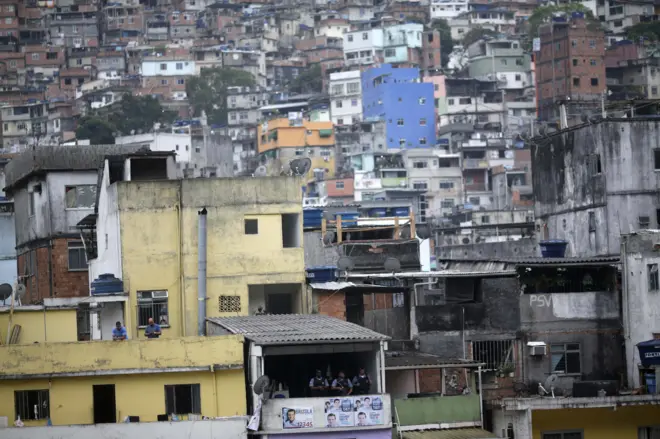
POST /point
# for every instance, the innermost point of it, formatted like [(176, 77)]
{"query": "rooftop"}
[(452, 433), (291, 329), (419, 360)]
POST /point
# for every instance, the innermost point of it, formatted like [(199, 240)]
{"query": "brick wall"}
[(430, 380), (332, 303), (65, 283)]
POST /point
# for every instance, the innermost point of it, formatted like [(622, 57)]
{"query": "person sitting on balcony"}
[(152, 330), (318, 385), (341, 385), (119, 332), (361, 383)]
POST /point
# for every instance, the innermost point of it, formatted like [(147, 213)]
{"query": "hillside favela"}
[(329, 219)]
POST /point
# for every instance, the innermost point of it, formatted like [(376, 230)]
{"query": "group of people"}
[(151, 331), (340, 386)]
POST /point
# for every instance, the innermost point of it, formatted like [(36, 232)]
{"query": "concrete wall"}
[(316, 253), (525, 247), (625, 189), (642, 313), (108, 251), (39, 327), (230, 428)]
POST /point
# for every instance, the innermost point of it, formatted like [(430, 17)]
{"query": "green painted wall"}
[(438, 409)]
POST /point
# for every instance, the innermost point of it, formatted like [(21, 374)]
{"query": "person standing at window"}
[(119, 332), (152, 330)]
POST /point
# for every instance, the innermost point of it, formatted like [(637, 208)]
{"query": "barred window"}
[(229, 304), (153, 304), (32, 404), (183, 399)]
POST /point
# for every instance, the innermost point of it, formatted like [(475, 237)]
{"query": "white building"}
[(167, 66), (180, 144), (345, 97), (447, 9), (363, 46)]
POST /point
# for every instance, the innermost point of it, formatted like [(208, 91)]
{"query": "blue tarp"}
[(649, 352)]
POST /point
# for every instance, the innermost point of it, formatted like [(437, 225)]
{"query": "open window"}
[(290, 230)]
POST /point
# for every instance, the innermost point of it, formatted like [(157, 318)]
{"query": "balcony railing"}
[(475, 164), (311, 416)]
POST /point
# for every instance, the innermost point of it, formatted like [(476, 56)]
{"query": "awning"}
[(455, 433), (325, 133)]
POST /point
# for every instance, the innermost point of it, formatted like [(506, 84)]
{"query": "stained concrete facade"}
[(594, 183), (641, 315)]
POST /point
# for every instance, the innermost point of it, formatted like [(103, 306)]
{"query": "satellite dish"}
[(423, 231), (261, 386), (329, 237), (20, 291), (551, 381), (300, 167), (392, 265), (5, 291), (345, 263), (261, 171)]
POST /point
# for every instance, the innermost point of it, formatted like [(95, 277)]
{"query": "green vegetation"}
[(309, 81), (446, 41)]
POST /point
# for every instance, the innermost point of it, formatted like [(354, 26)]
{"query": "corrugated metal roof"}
[(336, 286), (456, 433), (412, 360), (292, 329), (596, 260)]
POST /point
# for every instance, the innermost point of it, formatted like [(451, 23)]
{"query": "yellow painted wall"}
[(47, 358), (53, 326), (159, 244), (71, 399), (294, 137), (601, 423)]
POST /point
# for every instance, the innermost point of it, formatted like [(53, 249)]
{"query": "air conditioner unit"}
[(537, 350)]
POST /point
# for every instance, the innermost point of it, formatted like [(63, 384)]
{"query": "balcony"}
[(394, 182), (475, 164), (432, 410), (312, 416), (111, 357)]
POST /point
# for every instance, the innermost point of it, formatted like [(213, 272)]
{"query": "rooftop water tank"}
[(107, 284)]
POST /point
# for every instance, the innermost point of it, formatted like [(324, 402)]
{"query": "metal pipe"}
[(481, 397), (201, 273)]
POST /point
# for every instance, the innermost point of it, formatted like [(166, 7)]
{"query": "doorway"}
[(105, 406)]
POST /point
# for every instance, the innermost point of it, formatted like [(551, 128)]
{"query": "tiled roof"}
[(412, 359), (291, 329)]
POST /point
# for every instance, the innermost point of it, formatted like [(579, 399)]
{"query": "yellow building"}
[(284, 140), (71, 382), (146, 233), (606, 417)]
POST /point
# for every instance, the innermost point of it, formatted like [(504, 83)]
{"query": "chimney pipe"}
[(201, 273)]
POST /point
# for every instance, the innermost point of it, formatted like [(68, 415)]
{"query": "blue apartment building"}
[(397, 97)]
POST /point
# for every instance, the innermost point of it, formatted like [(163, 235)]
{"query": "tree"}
[(309, 81), (139, 113), (446, 41), (644, 30), (477, 33), (545, 13), (97, 130), (208, 91)]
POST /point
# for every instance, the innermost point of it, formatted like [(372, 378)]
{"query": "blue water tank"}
[(553, 248), (378, 212), (402, 211), (650, 383), (326, 273), (348, 219), (312, 218), (107, 284)]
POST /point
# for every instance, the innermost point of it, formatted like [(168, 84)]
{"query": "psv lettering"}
[(540, 300)]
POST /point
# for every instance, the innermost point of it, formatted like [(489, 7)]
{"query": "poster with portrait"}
[(339, 412), (368, 410), (297, 417)]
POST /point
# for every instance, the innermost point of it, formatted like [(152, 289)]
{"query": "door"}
[(105, 407)]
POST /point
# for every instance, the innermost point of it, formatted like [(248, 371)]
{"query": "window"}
[(390, 52), (576, 82), (354, 102), (503, 61), (450, 102), (574, 43), (465, 101), (290, 230), (25, 402), (592, 222), (163, 82), (422, 122), (447, 203), (565, 358), (402, 142), (399, 122), (485, 219), (421, 185), (654, 91), (152, 305), (337, 89), (183, 399), (446, 185), (422, 101), (12, 63), (518, 77), (163, 66), (31, 203), (654, 281), (339, 185), (592, 44), (251, 226), (519, 61), (353, 87), (422, 140), (35, 56), (338, 104), (229, 304), (656, 159), (180, 81), (644, 222), (365, 36), (593, 62), (420, 165), (563, 435), (349, 38), (594, 82), (77, 258), (575, 62), (339, 122), (179, 66)]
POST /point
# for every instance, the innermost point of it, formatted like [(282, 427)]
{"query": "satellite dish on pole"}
[(19, 292), (345, 264), (301, 166), (261, 171), (5, 291), (261, 386), (392, 265)]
